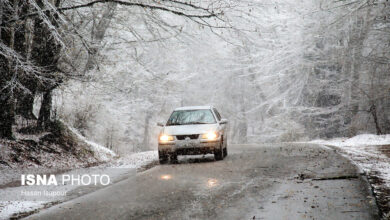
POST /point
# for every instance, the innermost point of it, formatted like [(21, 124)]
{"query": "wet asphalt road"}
[(253, 182)]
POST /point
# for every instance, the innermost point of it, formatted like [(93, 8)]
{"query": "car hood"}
[(189, 129)]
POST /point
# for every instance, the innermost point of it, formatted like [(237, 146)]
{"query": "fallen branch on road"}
[(336, 177)]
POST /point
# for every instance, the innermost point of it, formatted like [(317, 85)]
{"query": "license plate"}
[(188, 143)]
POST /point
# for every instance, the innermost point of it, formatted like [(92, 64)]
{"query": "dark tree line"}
[(32, 43), (28, 64)]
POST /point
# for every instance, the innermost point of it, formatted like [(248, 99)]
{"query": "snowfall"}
[(369, 152), (121, 165)]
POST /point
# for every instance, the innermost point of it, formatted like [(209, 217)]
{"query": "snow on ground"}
[(372, 154), (7, 209), (359, 140), (136, 160), (102, 153), (131, 161), (367, 151), (48, 162)]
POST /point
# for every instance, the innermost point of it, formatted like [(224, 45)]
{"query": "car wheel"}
[(173, 157), (163, 157), (218, 154)]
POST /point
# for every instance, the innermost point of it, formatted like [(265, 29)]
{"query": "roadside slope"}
[(56, 150)]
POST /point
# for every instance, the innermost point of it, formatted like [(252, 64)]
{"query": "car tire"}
[(218, 154), (173, 158), (163, 157)]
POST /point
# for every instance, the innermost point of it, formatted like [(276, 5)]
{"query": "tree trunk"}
[(383, 114), (7, 104), (29, 35), (44, 118), (7, 117), (98, 33), (243, 131), (146, 131), (1, 18), (232, 131), (25, 106), (242, 124), (374, 115), (354, 64), (46, 53), (25, 102)]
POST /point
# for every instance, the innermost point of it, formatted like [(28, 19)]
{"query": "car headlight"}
[(164, 138), (210, 135)]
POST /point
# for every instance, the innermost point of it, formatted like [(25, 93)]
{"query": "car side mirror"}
[(160, 124), (223, 121)]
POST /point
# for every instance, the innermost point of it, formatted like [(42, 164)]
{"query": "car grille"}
[(183, 137)]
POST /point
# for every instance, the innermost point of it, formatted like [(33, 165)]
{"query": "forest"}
[(279, 70)]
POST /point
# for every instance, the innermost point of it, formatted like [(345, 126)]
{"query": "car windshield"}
[(185, 117)]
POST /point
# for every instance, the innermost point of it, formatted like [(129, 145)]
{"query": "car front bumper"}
[(189, 148)]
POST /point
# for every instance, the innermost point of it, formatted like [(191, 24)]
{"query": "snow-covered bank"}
[(60, 151), (49, 152), (136, 160), (101, 152), (367, 150), (359, 140), (372, 154), (10, 209)]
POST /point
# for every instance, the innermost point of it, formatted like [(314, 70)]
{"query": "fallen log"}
[(343, 177)]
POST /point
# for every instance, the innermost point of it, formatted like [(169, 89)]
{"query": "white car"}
[(193, 130)]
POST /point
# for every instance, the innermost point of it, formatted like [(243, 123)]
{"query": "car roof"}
[(193, 108)]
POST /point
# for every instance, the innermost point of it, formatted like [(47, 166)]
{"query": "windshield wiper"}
[(198, 123), (172, 124)]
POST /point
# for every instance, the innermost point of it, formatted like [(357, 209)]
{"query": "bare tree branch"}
[(208, 13)]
